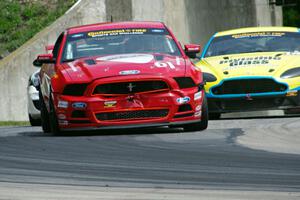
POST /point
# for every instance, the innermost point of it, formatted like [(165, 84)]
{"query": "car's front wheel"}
[(34, 122), (202, 125), (53, 120)]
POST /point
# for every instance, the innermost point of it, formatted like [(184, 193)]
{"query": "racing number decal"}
[(164, 64)]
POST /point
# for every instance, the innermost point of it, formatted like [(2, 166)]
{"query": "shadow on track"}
[(115, 132)]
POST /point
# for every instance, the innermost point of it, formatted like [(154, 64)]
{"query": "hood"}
[(250, 64), (89, 69)]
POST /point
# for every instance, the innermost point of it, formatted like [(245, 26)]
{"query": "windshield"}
[(119, 41), (254, 42)]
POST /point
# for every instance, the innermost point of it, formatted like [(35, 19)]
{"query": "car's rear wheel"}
[(202, 125), (44, 116), (34, 122), (53, 120)]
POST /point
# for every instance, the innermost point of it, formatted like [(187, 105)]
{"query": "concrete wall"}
[(191, 21), (196, 20)]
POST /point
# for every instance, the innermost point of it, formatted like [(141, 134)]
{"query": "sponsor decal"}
[(292, 93), (63, 122), (258, 34), (129, 72), (248, 97), (157, 30), (258, 60), (164, 64), (77, 35), (128, 58), (183, 100), (110, 104), (79, 105), (292, 53), (198, 114), (61, 116), (62, 104), (117, 32), (198, 108), (198, 95)]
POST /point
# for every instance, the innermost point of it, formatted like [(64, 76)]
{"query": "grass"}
[(14, 123), (20, 20)]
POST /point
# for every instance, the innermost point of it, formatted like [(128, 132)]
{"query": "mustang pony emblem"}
[(130, 87)]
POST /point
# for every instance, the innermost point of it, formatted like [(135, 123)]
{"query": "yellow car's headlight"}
[(291, 73)]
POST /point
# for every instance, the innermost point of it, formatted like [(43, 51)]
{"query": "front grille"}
[(130, 87), (78, 114), (128, 115), (246, 105), (246, 86)]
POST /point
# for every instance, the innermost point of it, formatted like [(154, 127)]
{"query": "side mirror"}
[(191, 50), (49, 48), (43, 59)]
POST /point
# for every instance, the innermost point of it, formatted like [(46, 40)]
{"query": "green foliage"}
[(291, 15), (14, 123), (20, 20)]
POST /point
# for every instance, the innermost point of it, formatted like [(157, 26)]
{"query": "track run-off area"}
[(235, 158)]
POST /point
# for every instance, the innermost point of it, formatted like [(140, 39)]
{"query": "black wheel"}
[(44, 115), (34, 122), (202, 125), (214, 116), (53, 120)]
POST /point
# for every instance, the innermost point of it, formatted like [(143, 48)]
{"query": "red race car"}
[(120, 75)]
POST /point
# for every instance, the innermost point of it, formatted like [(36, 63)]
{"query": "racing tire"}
[(34, 122), (202, 125), (53, 120), (214, 116), (44, 116)]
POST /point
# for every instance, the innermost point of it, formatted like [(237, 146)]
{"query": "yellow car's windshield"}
[(254, 42)]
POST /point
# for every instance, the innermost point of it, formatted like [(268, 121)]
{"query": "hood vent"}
[(90, 62)]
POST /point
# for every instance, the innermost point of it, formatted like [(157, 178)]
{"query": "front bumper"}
[(86, 116), (254, 102)]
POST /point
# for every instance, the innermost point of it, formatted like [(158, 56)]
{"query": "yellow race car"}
[(255, 68)]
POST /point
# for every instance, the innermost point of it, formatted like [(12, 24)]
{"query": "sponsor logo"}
[(198, 108), (61, 116), (79, 105), (77, 35), (62, 104), (198, 114), (63, 122), (157, 30), (110, 104), (128, 58), (129, 72), (183, 100), (198, 95), (292, 93)]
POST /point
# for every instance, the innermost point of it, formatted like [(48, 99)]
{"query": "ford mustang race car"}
[(252, 69), (120, 75)]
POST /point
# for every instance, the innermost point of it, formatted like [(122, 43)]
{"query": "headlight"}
[(207, 77), (185, 82), (291, 73), (75, 89)]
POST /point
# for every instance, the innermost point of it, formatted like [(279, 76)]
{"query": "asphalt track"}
[(157, 158)]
